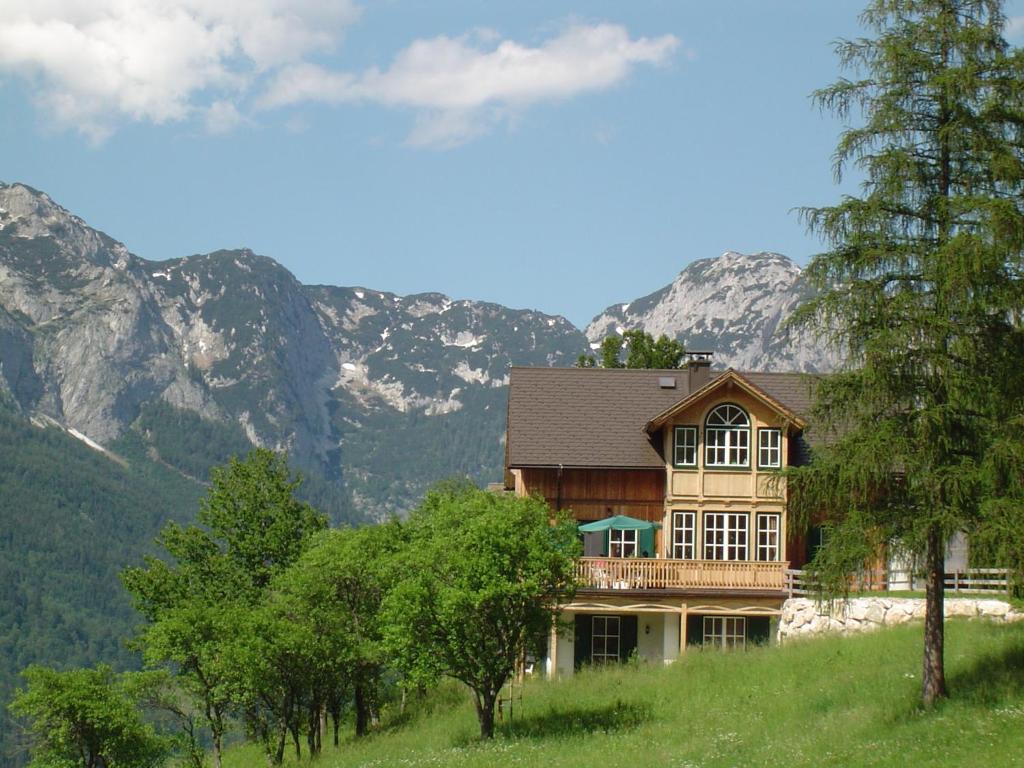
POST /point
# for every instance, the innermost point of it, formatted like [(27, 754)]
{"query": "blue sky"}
[(562, 156)]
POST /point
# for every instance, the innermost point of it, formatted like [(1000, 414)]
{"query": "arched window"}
[(727, 437)]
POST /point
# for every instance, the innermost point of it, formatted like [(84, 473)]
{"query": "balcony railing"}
[(650, 573)]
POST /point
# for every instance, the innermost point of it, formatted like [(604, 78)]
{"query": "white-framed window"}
[(725, 535), (727, 437), (684, 535), (604, 639), (622, 543), (725, 632), (768, 533), (769, 448), (684, 449)]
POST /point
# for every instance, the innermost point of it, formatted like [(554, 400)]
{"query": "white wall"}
[(566, 648), (670, 638)]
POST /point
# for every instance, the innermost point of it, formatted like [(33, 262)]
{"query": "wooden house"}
[(691, 457)]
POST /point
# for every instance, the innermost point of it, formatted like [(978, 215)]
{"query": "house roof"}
[(595, 417)]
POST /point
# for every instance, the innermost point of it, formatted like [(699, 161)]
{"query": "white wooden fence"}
[(972, 581)]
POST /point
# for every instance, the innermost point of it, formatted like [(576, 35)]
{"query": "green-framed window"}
[(684, 447), (769, 448)]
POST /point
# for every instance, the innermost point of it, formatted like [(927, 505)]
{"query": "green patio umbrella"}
[(645, 538), (618, 523)]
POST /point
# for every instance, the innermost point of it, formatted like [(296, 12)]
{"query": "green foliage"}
[(202, 603), (70, 519), (480, 577), (642, 351), (833, 701), (194, 445), (921, 291), (336, 590), (187, 441), (87, 718), (400, 454), (314, 643)]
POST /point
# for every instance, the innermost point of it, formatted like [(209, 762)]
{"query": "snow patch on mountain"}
[(471, 375)]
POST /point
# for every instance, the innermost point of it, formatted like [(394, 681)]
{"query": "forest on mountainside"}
[(71, 519)]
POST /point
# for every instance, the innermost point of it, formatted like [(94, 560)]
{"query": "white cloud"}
[(94, 62), (1015, 27), (223, 117), (460, 89)]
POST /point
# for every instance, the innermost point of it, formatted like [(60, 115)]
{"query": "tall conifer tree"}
[(922, 292)]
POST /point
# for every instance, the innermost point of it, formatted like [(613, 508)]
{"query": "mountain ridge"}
[(91, 335)]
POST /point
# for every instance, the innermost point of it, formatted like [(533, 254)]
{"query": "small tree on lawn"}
[(479, 581), (197, 603), (87, 718), (922, 291), (340, 583)]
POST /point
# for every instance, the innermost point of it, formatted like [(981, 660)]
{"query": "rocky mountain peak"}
[(735, 305), (29, 214)]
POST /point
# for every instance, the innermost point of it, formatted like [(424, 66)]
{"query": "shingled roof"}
[(595, 417)]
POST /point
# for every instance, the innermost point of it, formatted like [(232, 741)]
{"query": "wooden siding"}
[(593, 494)]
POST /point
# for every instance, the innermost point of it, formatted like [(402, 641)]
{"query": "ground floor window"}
[(725, 536), (605, 639), (725, 631), (719, 631)]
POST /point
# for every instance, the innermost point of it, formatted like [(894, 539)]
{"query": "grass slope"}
[(825, 702)]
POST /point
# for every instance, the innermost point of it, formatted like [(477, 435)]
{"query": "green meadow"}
[(822, 702)]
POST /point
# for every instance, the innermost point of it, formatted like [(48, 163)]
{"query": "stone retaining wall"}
[(802, 617)]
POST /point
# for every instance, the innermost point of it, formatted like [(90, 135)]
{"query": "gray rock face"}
[(90, 333), (734, 305), (398, 390)]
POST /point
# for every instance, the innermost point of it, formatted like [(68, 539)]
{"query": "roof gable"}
[(730, 376)]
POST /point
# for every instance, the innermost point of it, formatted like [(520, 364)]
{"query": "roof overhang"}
[(638, 467), (729, 377)]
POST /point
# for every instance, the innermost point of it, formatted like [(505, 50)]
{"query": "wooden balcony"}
[(660, 573)]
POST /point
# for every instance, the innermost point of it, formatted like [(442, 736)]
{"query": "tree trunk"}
[(362, 710), (485, 713), (282, 738), (217, 758), (311, 731), (322, 727), (933, 678)]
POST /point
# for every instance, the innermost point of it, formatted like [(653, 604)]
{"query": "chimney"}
[(698, 369)]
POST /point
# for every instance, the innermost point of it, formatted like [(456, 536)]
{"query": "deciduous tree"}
[(479, 580), (87, 718), (199, 601), (642, 351)]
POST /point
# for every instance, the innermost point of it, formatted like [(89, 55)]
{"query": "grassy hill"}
[(826, 702)]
